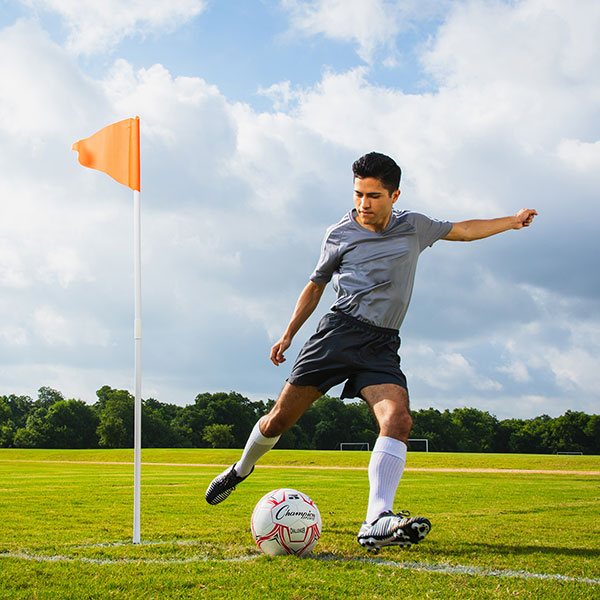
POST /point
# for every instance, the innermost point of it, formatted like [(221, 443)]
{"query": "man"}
[(371, 255)]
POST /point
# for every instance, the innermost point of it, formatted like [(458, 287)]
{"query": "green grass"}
[(74, 520)]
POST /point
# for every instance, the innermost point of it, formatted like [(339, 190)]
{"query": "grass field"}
[(529, 530)]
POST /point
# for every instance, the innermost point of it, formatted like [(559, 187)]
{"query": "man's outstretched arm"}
[(476, 229), (307, 302)]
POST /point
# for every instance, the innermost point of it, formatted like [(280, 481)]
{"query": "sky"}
[(251, 116)]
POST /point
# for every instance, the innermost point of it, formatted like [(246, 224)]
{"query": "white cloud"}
[(64, 265), (12, 273), (39, 69), (372, 25), (95, 27), (282, 95), (57, 329), (580, 156), (366, 22), (446, 369), (517, 370), (14, 336), (529, 44)]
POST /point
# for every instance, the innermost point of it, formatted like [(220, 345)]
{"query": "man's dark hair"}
[(380, 167)]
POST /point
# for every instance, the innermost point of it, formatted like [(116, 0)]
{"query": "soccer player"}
[(371, 255)]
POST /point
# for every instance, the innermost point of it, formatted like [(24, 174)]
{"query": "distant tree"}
[(592, 431), (71, 424), (295, 438), (225, 420), (328, 435), (7, 427), (35, 432), (27, 438), (5, 412), (338, 421), (103, 395), (48, 396), (569, 432), (189, 425), (533, 437), (437, 427), (302, 435), (362, 424), (7, 434), (167, 412), (219, 408), (218, 435), (477, 429), (112, 432), (20, 407), (331, 427), (116, 408), (506, 432), (157, 429)]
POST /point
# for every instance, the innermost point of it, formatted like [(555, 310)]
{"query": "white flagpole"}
[(137, 329)]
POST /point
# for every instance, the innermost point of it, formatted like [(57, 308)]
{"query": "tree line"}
[(224, 420)]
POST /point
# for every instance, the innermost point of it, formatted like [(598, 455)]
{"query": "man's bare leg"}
[(389, 404), (290, 406), (382, 527), (292, 403)]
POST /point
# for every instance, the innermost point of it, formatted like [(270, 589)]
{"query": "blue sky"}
[(243, 47), (252, 113)]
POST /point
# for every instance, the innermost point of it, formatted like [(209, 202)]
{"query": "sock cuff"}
[(390, 446), (259, 438)]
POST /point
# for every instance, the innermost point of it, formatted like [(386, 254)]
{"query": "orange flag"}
[(114, 150)]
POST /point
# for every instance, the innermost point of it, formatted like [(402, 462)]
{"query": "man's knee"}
[(274, 424), (405, 422), (290, 406), (396, 420)]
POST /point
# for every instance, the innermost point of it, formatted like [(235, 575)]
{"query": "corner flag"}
[(115, 150)]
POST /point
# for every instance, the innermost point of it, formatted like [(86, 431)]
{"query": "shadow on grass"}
[(467, 548)]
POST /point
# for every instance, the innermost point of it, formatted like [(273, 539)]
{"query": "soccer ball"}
[(286, 521)]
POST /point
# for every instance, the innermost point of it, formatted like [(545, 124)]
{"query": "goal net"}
[(354, 446), (418, 444)]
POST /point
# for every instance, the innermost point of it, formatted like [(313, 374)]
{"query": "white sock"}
[(256, 446), (385, 471)]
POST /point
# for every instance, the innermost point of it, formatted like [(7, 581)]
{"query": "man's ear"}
[(395, 195)]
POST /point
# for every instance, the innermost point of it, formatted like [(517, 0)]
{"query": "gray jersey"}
[(373, 272)]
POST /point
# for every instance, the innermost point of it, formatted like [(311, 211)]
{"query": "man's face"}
[(373, 203)]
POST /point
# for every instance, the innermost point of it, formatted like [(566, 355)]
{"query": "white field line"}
[(118, 561), (463, 570), (309, 467), (409, 565)]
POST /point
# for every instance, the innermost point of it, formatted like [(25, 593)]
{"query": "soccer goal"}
[(418, 444), (354, 446), (577, 453)]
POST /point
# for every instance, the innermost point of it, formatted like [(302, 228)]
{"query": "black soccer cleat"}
[(391, 529), (222, 485)]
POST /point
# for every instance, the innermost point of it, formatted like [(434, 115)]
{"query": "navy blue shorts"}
[(347, 349)]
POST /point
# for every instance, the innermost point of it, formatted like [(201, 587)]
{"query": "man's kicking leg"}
[(290, 406), (382, 527)]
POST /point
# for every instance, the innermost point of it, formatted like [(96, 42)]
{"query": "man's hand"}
[(278, 349), (525, 217), (307, 302)]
